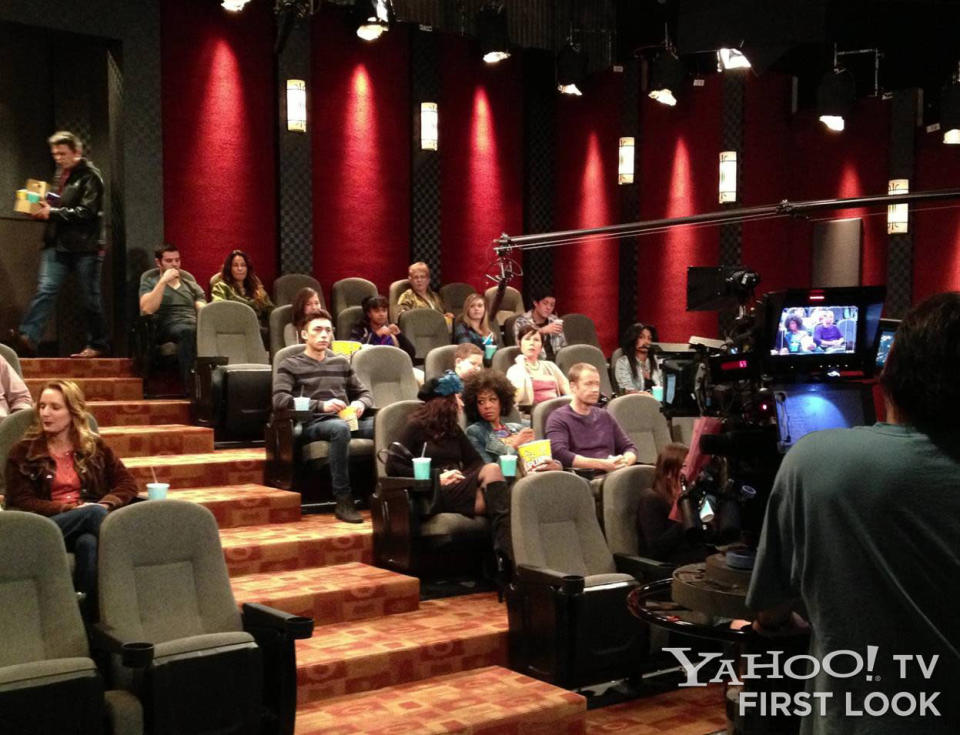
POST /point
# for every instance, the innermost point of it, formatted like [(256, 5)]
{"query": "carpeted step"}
[(158, 439), (244, 505), (315, 541), (443, 636), (99, 367), (223, 467), (686, 711), (488, 701), (140, 413), (97, 389), (332, 594)]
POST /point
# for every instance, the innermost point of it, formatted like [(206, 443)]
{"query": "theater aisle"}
[(379, 659)]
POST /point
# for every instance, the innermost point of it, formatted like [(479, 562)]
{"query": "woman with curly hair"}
[(487, 397), (236, 281), (62, 470), (467, 485)]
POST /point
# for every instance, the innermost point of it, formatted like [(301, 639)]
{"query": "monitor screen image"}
[(815, 330), (805, 408), (883, 349)]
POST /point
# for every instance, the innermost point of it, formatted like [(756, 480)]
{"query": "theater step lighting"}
[(429, 126), (898, 215), (950, 111), (234, 6), (571, 69), (666, 77), (731, 58), (835, 98), (728, 177), (625, 165), (374, 18), (492, 31), (296, 105)]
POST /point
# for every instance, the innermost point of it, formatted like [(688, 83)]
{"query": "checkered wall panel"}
[(539, 137), (425, 175), (900, 247)]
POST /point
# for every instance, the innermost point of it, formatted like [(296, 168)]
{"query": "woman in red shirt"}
[(64, 471)]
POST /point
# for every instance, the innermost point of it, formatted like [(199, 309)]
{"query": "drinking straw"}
[(424, 452), (154, 473)]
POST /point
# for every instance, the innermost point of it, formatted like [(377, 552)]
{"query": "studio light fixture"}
[(492, 31), (666, 78), (898, 215), (234, 6), (571, 69), (835, 97), (429, 126), (950, 111), (731, 58), (374, 18), (625, 165), (296, 105), (728, 177)]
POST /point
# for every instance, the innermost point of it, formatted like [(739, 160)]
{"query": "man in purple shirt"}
[(584, 436), (827, 335)]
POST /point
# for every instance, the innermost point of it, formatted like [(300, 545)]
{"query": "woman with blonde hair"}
[(472, 325), (63, 470)]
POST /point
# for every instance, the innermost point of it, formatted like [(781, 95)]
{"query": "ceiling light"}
[(731, 58), (492, 30), (666, 77), (625, 163), (571, 69), (898, 215), (835, 98), (950, 113), (234, 6), (373, 18)]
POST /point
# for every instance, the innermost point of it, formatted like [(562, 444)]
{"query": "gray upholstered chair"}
[(503, 358), (569, 622), (214, 668), (426, 329), (405, 537), (346, 319), (289, 462), (454, 294), (639, 416), (286, 287), (393, 296), (350, 292), (570, 355), (511, 304), (388, 373), (621, 499), (8, 354), (279, 321), (510, 329), (48, 682), (541, 412), (579, 329), (617, 354), (233, 371), (681, 429), (438, 360)]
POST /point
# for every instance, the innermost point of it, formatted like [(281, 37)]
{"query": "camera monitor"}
[(817, 406), (811, 330), (888, 328)]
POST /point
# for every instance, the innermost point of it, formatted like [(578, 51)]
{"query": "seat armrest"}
[(256, 615), (568, 583), (133, 654), (642, 568), (290, 414), (584, 472), (203, 387), (416, 487)]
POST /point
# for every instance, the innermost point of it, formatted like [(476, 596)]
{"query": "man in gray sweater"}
[(334, 391)]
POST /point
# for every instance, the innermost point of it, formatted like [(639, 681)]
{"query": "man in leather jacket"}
[(72, 241)]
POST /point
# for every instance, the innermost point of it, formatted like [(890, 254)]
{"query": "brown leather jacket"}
[(30, 470)]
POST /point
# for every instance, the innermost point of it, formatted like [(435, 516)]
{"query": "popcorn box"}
[(344, 347), (535, 453), (28, 199)]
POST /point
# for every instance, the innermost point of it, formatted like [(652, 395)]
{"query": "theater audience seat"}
[(570, 355), (511, 304), (48, 682), (453, 295), (426, 329), (282, 332), (438, 360), (393, 296), (212, 667), (10, 355), (287, 286), (388, 373), (509, 329), (639, 416), (504, 358), (579, 329), (350, 292), (569, 623), (541, 412), (345, 320)]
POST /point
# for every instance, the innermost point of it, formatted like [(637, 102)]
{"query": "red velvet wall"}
[(360, 112), (679, 167), (218, 131), (936, 225), (481, 154), (585, 273)]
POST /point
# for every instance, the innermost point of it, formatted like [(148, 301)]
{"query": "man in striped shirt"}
[(333, 388)]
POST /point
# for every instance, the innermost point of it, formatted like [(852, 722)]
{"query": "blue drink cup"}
[(508, 465), (421, 468), (489, 349), (157, 490)]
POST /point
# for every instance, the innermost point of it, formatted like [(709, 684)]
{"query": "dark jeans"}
[(54, 269), (81, 529), (185, 335), (337, 432)]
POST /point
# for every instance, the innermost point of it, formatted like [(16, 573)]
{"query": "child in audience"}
[(305, 303), (534, 379), (472, 326), (467, 359), (658, 537), (374, 327)]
